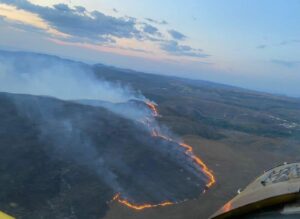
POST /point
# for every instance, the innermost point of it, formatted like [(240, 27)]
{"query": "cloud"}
[(150, 29), (177, 35), (163, 22), (285, 63), (282, 43), (262, 46), (80, 23), (287, 42), (172, 47), (80, 9)]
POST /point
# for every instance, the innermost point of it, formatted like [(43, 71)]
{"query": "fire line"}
[(188, 151), (153, 108), (139, 206)]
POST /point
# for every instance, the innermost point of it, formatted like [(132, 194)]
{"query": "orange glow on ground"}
[(140, 206), (227, 207), (188, 151), (153, 108)]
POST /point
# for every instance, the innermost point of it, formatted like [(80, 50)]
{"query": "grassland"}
[(237, 132)]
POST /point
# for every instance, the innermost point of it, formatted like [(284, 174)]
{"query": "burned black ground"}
[(61, 159)]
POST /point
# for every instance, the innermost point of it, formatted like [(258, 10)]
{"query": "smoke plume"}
[(112, 131), (35, 74)]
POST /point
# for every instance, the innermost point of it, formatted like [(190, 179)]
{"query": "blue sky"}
[(253, 44)]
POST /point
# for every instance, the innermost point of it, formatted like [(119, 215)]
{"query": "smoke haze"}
[(49, 76), (110, 131)]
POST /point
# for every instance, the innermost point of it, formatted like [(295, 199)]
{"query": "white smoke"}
[(49, 76), (35, 74)]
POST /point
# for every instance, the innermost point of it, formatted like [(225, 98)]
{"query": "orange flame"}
[(205, 169), (140, 206), (208, 173), (227, 207), (188, 151), (153, 108)]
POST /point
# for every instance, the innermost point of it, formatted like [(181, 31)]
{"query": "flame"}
[(153, 107), (227, 207), (188, 151), (205, 169), (115, 197), (139, 206)]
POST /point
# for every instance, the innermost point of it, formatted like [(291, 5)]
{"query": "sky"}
[(252, 44)]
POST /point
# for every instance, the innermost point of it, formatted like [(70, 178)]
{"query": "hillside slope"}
[(61, 159)]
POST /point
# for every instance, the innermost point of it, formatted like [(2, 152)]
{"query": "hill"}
[(60, 159), (68, 159)]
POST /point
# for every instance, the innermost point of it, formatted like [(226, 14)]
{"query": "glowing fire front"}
[(188, 150), (139, 206), (153, 108)]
